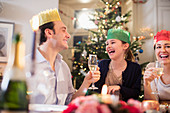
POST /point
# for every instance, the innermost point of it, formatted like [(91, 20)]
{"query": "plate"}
[(46, 107)]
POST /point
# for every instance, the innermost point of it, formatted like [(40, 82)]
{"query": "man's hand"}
[(92, 77)]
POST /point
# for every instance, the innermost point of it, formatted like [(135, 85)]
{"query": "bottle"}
[(13, 95)]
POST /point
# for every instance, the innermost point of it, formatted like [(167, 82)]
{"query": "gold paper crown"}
[(49, 15)]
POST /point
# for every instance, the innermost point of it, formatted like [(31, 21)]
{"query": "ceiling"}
[(80, 3), (72, 2)]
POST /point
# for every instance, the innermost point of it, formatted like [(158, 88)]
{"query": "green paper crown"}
[(119, 34)]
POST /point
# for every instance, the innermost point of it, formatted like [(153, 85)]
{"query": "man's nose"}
[(68, 35)]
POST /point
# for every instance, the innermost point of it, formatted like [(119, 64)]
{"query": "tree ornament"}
[(88, 42), (83, 72), (118, 3), (135, 54), (101, 38), (79, 42), (84, 53), (141, 51), (96, 22), (118, 19), (74, 68), (113, 8)]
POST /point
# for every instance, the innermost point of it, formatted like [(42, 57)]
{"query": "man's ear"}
[(126, 45), (48, 32)]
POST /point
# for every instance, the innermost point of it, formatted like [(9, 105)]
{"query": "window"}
[(83, 19)]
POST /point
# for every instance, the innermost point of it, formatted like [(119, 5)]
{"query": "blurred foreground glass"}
[(13, 96), (150, 106)]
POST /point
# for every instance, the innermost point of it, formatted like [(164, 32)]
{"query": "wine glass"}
[(92, 63), (159, 72)]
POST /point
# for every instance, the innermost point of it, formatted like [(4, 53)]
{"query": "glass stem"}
[(93, 80), (156, 90)]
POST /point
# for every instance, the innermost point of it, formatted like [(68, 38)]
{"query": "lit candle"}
[(35, 26), (106, 98), (104, 89), (150, 105)]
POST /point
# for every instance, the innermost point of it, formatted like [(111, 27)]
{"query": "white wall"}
[(145, 17), (20, 12)]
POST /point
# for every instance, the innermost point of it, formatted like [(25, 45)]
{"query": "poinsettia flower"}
[(71, 107), (78, 101), (131, 109), (123, 103), (92, 104), (88, 106), (103, 108), (135, 103)]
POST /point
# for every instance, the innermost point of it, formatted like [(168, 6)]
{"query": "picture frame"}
[(6, 34)]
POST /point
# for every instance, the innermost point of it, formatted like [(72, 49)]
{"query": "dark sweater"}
[(131, 79)]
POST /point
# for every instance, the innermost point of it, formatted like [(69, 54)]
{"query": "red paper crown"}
[(162, 35)]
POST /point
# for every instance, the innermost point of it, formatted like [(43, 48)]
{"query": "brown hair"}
[(128, 54), (49, 25)]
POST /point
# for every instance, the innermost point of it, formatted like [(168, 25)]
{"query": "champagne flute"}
[(92, 63), (159, 72)]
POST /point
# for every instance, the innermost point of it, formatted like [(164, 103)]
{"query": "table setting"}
[(102, 103)]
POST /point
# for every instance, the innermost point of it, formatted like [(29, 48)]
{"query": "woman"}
[(119, 72), (162, 52)]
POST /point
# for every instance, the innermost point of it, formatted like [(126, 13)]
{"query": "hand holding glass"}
[(159, 72), (92, 63)]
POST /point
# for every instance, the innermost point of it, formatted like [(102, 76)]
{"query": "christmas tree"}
[(105, 18)]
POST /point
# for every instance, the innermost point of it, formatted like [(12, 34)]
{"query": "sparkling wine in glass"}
[(92, 63), (159, 72), (159, 68)]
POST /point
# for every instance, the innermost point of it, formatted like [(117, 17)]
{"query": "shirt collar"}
[(40, 58)]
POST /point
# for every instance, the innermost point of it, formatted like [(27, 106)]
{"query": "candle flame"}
[(104, 89), (35, 23)]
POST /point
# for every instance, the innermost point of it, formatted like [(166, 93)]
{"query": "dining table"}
[(40, 108), (46, 108)]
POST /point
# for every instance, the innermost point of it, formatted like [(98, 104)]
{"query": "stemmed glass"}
[(92, 63), (159, 72)]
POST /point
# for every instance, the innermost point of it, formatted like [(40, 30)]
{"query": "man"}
[(52, 77)]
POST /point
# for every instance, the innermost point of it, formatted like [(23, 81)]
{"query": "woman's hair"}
[(42, 28), (128, 54)]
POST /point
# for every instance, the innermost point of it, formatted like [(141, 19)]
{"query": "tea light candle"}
[(106, 98), (150, 105)]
